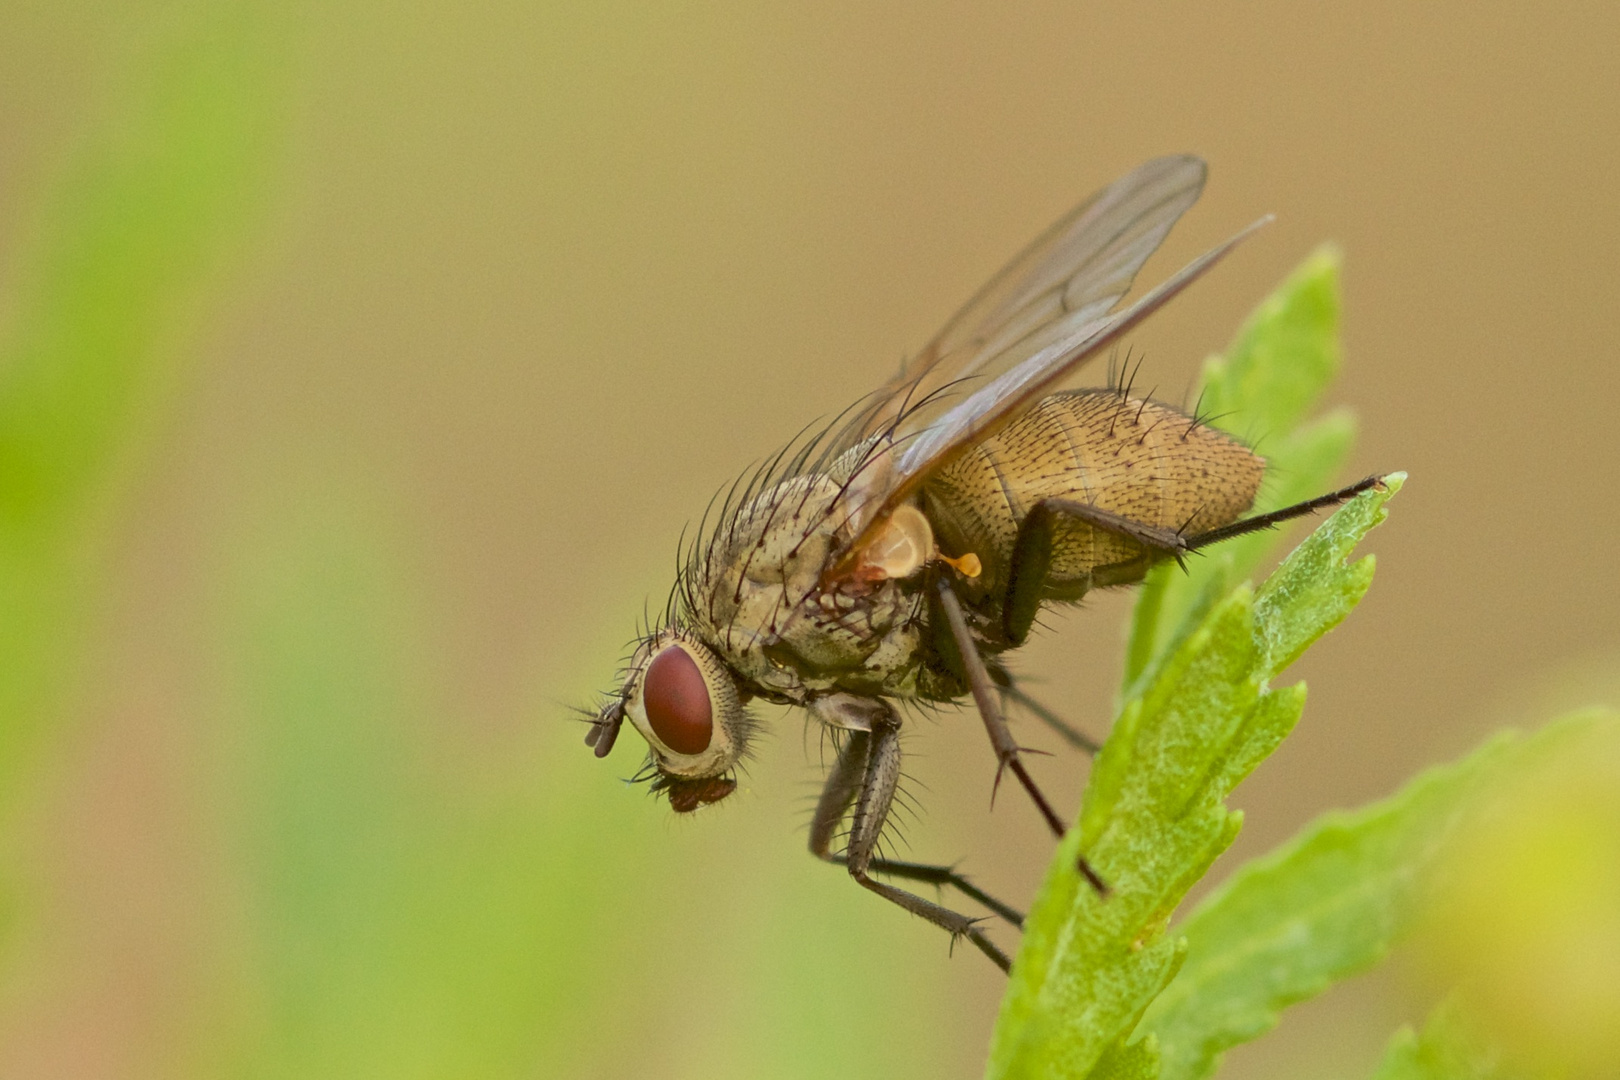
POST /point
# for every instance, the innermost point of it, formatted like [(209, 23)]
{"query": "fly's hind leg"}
[(1287, 513), (1067, 731), (865, 776), (1032, 550), (1012, 690), (1032, 555)]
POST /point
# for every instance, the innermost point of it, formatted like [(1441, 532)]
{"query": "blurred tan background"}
[(535, 280)]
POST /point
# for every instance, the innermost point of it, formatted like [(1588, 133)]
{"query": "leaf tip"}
[(1327, 258)]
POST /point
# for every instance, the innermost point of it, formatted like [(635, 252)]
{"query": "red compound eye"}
[(677, 702)]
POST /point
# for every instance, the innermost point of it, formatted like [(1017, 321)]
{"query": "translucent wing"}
[(898, 466), (1071, 276), (1007, 394)]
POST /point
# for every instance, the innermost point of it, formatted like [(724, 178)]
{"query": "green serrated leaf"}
[(1129, 1061), (1153, 818), (1271, 376), (1285, 355), (1314, 589), (1324, 906), (1446, 1050)]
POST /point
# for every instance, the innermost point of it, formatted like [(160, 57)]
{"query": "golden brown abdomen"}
[(1138, 459)]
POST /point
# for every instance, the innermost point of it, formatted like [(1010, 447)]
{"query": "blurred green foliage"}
[(115, 264), (1448, 1048), (1524, 925), (408, 922), (402, 928), (379, 914)]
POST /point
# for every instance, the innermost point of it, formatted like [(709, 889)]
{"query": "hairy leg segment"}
[(862, 783)]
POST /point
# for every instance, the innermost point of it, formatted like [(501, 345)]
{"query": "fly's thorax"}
[(758, 600), (757, 571), (685, 703)]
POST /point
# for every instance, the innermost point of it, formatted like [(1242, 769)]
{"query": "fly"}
[(902, 553)]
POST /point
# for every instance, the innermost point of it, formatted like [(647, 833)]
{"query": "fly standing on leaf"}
[(900, 553)]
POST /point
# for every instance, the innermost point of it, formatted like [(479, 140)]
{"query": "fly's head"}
[(682, 699)]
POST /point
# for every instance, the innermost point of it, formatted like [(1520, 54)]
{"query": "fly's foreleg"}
[(866, 775), (843, 784), (931, 874), (995, 724)]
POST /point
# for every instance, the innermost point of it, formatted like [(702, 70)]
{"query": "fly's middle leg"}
[(865, 776), (995, 724)]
